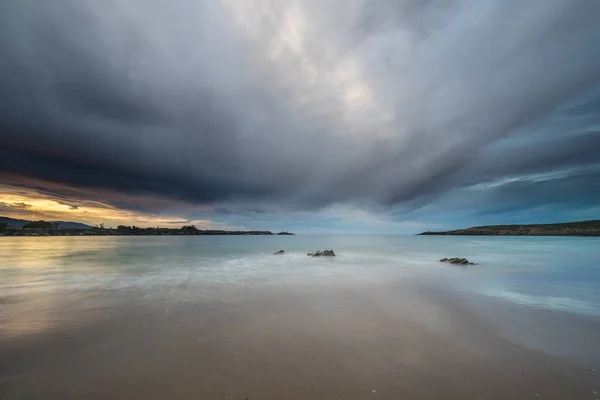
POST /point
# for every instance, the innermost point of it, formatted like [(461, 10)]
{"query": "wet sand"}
[(397, 342)]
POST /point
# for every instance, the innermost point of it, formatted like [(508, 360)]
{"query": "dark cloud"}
[(297, 104), (575, 150)]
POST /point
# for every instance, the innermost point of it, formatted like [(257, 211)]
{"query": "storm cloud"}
[(384, 105)]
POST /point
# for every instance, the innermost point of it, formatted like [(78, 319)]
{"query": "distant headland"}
[(19, 227), (581, 228)]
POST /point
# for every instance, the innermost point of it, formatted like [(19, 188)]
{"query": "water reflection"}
[(47, 282), (41, 282)]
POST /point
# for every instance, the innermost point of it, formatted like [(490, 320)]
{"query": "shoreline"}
[(140, 232), (581, 228), (510, 234)]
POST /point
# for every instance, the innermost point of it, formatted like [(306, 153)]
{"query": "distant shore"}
[(581, 228), (130, 232)]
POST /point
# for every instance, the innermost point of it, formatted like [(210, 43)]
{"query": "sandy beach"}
[(393, 342)]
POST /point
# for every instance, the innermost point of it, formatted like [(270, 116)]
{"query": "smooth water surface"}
[(49, 281)]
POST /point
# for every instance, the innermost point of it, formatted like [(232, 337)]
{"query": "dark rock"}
[(459, 261), (325, 253), (280, 252)]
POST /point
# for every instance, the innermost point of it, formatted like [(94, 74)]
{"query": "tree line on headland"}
[(581, 228), (46, 228)]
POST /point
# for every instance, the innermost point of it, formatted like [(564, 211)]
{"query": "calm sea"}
[(49, 281)]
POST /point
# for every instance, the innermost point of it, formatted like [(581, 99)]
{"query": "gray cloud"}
[(299, 104), (14, 207)]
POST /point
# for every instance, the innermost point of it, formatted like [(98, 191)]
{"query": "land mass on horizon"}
[(19, 223), (580, 228), (20, 227)]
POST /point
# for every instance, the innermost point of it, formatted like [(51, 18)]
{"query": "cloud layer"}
[(384, 105)]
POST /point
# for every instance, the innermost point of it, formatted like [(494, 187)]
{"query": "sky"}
[(357, 116)]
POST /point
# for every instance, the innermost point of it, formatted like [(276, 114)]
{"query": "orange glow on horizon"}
[(34, 206)]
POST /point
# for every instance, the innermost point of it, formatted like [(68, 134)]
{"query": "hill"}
[(581, 228), (18, 223)]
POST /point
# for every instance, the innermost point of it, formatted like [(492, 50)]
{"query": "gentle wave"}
[(565, 304)]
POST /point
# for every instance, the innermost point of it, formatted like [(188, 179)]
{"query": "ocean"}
[(556, 273)]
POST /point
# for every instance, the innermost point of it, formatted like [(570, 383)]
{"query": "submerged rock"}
[(280, 252), (325, 253), (461, 261)]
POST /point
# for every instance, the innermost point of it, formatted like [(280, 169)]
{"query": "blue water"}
[(46, 280)]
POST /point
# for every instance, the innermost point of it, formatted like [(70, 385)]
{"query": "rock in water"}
[(326, 253), (460, 261), (280, 252)]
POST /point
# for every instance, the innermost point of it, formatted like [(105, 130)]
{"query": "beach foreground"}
[(384, 343)]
